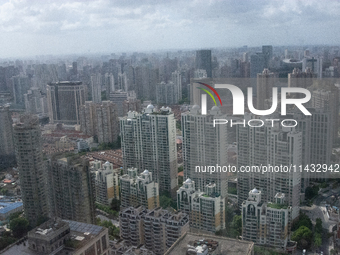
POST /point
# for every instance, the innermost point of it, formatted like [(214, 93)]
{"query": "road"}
[(318, 210), (114, 222)]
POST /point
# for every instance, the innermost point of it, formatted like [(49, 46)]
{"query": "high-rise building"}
[(206, 209), (109, 84), (146, 79), (64, 100), (122, 82), (6, 131), (32, 168), (139, 189), (20, 85), (274, 146), (266, 223), (267, 51), (96, 87), (35, 101), (106, 182), (328, 100), (203, 61), (257, 64), (314, 64), (205, 145), (133, 105), (264, 91), (149, 142), (166, 93), (298, 79), (100, 121), (321, 136), (157, 229), (177, 80), (72, 189), (200, 74), (118, 97)]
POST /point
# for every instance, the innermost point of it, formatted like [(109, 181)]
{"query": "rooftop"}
[(226, 245), (7, 207)]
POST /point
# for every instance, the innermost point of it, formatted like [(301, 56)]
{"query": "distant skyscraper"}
[(64, 100), (118, 97), (149, 142), (264, 91), (177, 80), (109, 84), (100, 120), (20, 85), (256, 66), (167, 93), (32, 168), (72, 189), (314, 64), (96, 86), (6, 132), (133, 105), (299, 79), (328, 100), (35, 101), (267, 51), (203, 61)]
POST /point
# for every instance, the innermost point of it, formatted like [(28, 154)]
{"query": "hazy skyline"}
[(34, 27)]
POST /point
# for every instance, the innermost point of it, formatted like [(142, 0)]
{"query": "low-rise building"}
[(6, 209), (202, 244), (206, 209), (156, 229), (106, 182), (266, 223), (139, 189), (63, 237)]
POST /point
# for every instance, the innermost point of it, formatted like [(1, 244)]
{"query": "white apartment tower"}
[(274, 146), (149, 142), (205, 145)]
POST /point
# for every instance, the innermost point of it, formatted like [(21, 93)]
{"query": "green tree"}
[(304, 220), (115, 204), (302, 235), (318, 226), (317, 240), (19, 227), (311, 192), (236, 225)]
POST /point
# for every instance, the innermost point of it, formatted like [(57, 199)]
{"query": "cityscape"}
[(137, 136)]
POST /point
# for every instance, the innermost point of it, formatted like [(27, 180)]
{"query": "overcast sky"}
[(31, 27)]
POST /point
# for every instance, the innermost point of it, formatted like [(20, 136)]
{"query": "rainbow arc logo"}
[(209, 93)]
